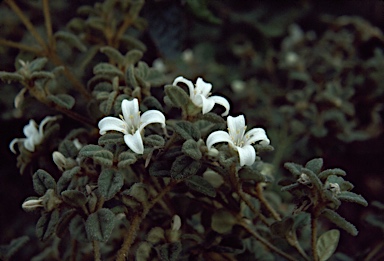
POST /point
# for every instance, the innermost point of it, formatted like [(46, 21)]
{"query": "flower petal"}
[(134, 142), (29, 144), (222, 101), (188, 83), (256, 134), (151, 116), (236, 126), (30, 129), (43, 122), (112, 123), (218, 136), (202, 87), (206, 104), (130, 111), (247, 155), (12, 144)]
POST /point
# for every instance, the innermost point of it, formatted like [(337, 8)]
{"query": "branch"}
[(48, 23), (20, 46)]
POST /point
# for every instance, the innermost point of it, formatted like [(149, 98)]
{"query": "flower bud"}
[(32, 204), (59, 160), (176, 223)]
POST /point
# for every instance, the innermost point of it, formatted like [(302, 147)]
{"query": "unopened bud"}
[(335, 188), (19, 98), (304, 179), (176, 223), (59, 160), (32, 204)]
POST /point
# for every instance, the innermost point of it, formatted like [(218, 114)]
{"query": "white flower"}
[(200, 93), (33, 135), (239, 140), (131, 124)]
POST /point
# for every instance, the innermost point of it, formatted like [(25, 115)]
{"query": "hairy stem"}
[(48, 22), (26, 22), (314, 237), (265, 242), (20, 46), (260, 196), (96, 250)]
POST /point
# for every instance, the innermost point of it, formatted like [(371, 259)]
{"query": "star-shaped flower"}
[(34, 135), (239, 140), (200, 95), (131, 124)]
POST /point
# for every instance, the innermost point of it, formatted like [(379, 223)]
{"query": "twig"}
[(96, 250), (26, 22), (48, 22), (260, 196), (314, 237), (265, 242), (20, 46)]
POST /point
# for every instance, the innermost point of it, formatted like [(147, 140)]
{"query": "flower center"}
[(132, 124), (237, 136)]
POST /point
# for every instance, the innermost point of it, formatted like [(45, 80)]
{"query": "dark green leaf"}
[(41, 75), (152, 103), (113, 54), (184, 167), (315, 165), (11, 77), (71, 39), (46, 225), (177, 96), (294, 168), (66, 178), (352, 197), (63, 100), (104, 158), (68, 149), (64, 221), (327, 244), (160, 169), (110, 182), (154, 140), (169, 251), (108, 69), (199, 184), (74, 198), (133, 56), (37, 64), (77, 229), (126, 159), (99, 225), (42, 181), (212, 117), (130, 77), (313, 178), (340, 221), (7, 251), (186, 130), (326, 173), (191, 149), (111, 138), (248, 173)]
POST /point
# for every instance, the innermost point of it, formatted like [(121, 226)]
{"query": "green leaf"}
[(283, 227), (199, 184), (315, 165), (42, 181), (104, 158), (248, 173), (326, 173), (130, 77), (184, 167), (66, 178), (154, 140), (314, 179), (177, 96), (212, 117), (133, 56), (11, 77), (340, 221), (71, 39), (160, 169), (294, 168), (7, 251), (110, 182), (200, 9), (352, 197), (169, 251), (77, 229), (191, 149), (37, 64), (99, 225), (64, 221), (113, 54), (109, 102), (152, 103), (344, 185), (68, 149), (46, 225), (41, 75), (327, 244), (74, 198), (111, 138), (108, 69), (131, 42), (222, 221), (126, 159), (63, 100), (186, 130)]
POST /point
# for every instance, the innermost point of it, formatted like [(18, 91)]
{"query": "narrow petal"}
[(223, 102), (43, 123), (256, 134), (12, 144), (29, 144), (30, 129), (202, 87), (130, 111), (151, 116), (112, 123), (188, 83), (218, 136), (134, 142), (236, 126), (206, 104), (247, 155)]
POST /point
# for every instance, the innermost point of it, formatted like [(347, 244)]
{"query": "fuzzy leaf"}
[(154, 140), (315, 165), (111, 138), (7, 251), (212, 117), (186, 130), (42, 181), (177, 96), (68, 149), (66, 178), (169, 251), (222, 221), (191, 149), (344, 185), (200, 9), (294, 168), (46, 225), (77, 229), (63, 100), (64, 221), (199, 184), (130, 77), (283, 227), (184, 167), (37, 64), (248, 173), (160, 169), (11, 77), (107, 68), (327, 244), (313, 178), (74, 198), (110, 182), (99, 225), (113, 54), (326, 173), (126, 159), (133, 56), (132, 43), (340, 221), (104, 158), (152, 103), (352, 197), (71, 39)]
